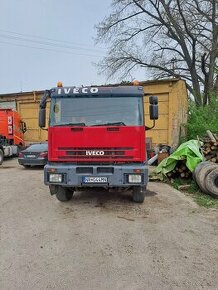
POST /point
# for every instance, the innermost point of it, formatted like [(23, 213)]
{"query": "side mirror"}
[(23, 127), (153, 107), (42, 109), (42, 117)]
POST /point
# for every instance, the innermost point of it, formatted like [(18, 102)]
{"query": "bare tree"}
[(177, 38)]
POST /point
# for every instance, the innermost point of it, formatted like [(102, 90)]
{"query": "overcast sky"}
[(31, 59), (44, 41)]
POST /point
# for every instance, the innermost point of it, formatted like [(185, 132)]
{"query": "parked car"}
[(35, 154)]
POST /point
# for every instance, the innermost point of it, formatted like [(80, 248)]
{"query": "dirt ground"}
[(102, 240)]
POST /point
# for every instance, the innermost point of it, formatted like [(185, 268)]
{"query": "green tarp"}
[(188, 151)]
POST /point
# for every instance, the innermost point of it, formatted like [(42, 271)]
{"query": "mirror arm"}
[(149, 128), (42, 110), (46, 95)]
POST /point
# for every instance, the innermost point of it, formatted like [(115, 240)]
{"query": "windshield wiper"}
[(70, 124), (112, 124)]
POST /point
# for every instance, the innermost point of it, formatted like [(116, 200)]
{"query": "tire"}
[(1, 156), (199, 167), (211, 182), (138, 194), (62, 193), (202, 173)]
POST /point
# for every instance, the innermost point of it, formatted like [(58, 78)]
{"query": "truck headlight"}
[(135, 178), (55, 177)]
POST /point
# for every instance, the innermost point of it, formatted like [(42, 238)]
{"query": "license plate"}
[(93, 179), (30, 156)]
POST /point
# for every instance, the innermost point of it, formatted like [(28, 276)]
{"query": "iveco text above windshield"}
[(97, 111)]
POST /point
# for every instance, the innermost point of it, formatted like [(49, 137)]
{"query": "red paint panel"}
[(10, 126), (77, 144)]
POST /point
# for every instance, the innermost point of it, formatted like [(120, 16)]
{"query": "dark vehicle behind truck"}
[(34, 155)]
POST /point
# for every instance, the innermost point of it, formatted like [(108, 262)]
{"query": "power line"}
[(47, 43), (51, 40), (48, 49)]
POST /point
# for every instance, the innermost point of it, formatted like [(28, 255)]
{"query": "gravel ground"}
[(102, 240)]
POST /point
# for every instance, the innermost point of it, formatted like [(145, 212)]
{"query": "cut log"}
[(184, 187), (210, 135)]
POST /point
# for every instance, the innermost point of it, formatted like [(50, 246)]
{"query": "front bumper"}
[(117, 175)]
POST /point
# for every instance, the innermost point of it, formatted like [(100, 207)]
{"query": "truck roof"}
[(90, 91)]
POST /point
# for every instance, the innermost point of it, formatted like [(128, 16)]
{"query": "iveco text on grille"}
[(94, 152)]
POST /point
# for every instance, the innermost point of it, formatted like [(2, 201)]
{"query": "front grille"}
[(76, 153), (95, 157), (95, 148), (106, 153)]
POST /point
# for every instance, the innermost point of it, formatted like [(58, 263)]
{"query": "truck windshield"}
[(117, 111)]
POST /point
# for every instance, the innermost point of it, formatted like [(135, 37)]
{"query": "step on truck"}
[(96, 138), (12, 130)]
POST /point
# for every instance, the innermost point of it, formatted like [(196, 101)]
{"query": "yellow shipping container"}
[(173, 106)]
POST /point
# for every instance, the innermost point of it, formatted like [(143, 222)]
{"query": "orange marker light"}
[(59, 84), (135, 83), (137, 170), (52, 170)]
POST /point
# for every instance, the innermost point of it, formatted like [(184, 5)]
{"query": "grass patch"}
[(178, 181), (206, 200), (194, 188), (199, 197)]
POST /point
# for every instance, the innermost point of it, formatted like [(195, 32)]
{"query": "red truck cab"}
[(12, 128), (96, 138)]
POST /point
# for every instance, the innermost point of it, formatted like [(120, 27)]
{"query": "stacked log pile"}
[(210, 147), (209, 150), (180, 171)]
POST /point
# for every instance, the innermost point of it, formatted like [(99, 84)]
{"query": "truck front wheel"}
[(1, 156), (62, 193), (138, 194)]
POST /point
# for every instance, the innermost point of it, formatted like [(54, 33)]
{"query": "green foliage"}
[(201, 119), (199, 197), (205, 200), (178, 181), (193, 187)]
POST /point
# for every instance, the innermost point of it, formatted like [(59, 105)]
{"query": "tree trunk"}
[(196, 88), (216, 87)]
